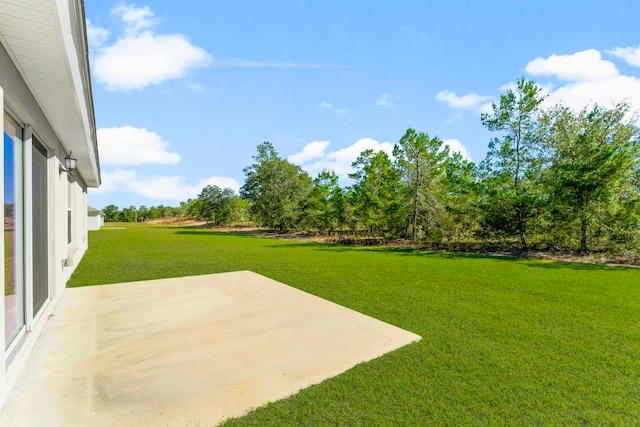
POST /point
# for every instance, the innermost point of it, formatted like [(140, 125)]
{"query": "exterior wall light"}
[(69, 164)]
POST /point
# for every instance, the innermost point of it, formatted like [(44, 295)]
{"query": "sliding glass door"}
[(40, 226), (14, 292), (26, 229)]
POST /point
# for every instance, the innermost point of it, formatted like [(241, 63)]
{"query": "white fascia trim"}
[(75, 67)]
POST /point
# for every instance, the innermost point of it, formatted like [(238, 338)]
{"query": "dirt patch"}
[(178, 222), (594, 257), (629, 260)]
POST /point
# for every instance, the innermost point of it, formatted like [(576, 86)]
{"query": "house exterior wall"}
[(65, 204), (22, 107), (95, 221)]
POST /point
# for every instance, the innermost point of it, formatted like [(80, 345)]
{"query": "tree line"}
[(552, 177), (113, 213)]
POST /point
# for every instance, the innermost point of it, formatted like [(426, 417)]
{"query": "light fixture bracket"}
[(69, 164)]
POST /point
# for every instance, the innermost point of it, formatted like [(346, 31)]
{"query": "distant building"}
[(48, 121), (95, 218)]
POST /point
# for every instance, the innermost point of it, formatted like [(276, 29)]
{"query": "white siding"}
[(57, 125)]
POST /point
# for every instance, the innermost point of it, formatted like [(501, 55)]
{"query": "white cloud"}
[(387, 100), (585, 79), (340, 161), (96, 36), (159, 187), (629, 54), (468, 102), (141, 57), (135, 18), (588, 79), (486, 108), (456, 146), (512, 86), (587, 65), (133, 146), (578, 95), (114, 181), (312, 150), (326, 105), (219, 181), (135, 62)]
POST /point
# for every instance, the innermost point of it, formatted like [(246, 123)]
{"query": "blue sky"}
[(184, 94)]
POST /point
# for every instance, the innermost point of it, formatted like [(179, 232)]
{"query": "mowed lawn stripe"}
[(505, 341)]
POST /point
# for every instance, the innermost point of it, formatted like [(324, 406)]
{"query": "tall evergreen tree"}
[(513, 159), (324, 213), (460, 198), (592, 177), (377, 205), (421, 160)]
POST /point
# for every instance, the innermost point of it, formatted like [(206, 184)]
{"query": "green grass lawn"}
[(505, 341)]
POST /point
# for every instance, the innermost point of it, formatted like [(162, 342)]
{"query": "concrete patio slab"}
[(187, 351)]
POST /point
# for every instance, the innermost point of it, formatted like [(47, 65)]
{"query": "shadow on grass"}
[(529, 262), (195, 231), (301, 242)]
